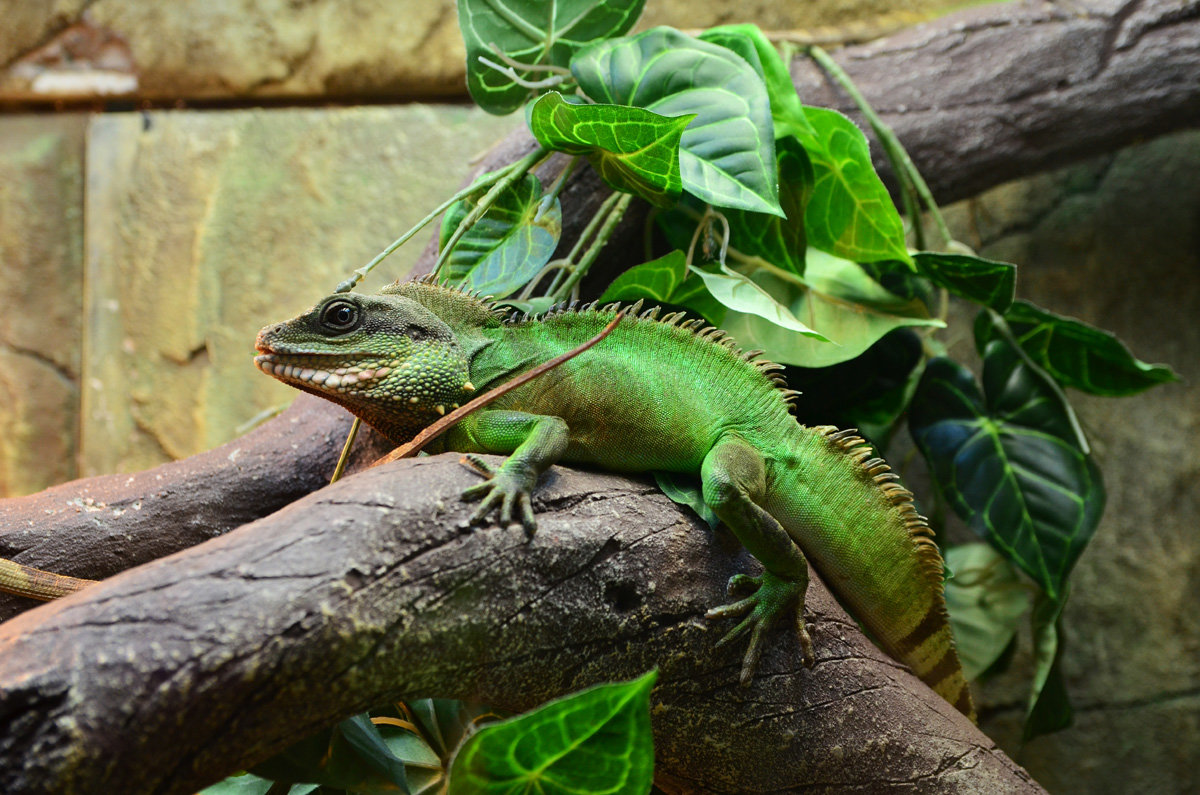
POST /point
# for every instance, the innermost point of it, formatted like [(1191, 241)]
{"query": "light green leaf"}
[(532, 32), (507, 246), (655, 280), (850, 214), (632, 149), (596, 741), (743, 296), (780, 241), (983, 281), (727, 154), (749, 42), (836, 298), (1075, 353), (686, 490), (986, 599), (1009, 461)]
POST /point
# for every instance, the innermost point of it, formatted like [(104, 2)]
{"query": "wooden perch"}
[(369, 590), (168, 676)]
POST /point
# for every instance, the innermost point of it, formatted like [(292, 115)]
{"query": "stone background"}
[(140, 250)]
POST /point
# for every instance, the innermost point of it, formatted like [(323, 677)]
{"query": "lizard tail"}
[(868, 542), (32, 583)]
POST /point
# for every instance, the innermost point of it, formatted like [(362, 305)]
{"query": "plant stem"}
[(485, 180), (513, 173), (611, 217), (345, 456), (901, 162)]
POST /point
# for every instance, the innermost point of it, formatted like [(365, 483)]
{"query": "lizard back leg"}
[(733, 477)]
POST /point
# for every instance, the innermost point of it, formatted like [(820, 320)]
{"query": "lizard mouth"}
[(310, 371)]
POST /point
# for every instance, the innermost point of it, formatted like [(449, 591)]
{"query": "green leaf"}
[(686, 490), (850, 214), (1049, 707), (364, 737), (780, 241), (541, 32), (837, 299), (343, 757), (250, 784), (595, 741), (655, 280), (727, 154), (1076, 354), (632, 149), (507, 246), (1010, 460), (743, 296), (751, 44), (986, 599), (983, 281)]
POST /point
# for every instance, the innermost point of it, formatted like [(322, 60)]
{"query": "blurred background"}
[(173, 176)]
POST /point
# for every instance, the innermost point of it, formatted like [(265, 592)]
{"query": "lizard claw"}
[(502, 489), (772, 595)]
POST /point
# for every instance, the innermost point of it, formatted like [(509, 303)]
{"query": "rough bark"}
[(369, 590), (167, 676)]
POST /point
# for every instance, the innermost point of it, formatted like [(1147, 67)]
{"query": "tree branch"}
[(368, 591)]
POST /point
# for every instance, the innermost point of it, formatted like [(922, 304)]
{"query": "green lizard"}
[(659, 394)]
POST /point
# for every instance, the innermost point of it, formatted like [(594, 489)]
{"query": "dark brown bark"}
[(369, 591), (165, 677)]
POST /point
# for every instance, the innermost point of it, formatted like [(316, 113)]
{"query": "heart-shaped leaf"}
[(596, 741), (727, 154), (850, 214), (507, 246), (1010, 460), (837, 299), (779, 241), (986, 599), (983, 281), (542, 33), (743, 296), (656, 280), (632, 149), (1076, 354), (756, 49)]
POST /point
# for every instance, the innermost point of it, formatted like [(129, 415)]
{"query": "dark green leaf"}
[(749, 42), (1049, 708), (980, 280), (364, 737), (595, 741), (250, 784), (545, 32), (727, 154), (632, 149), (780, 241), (330, 759), (850, 214), (836, 298), (655, 280), (986, 599), (686, 490), (1076, 354), (1010, 461), (507, 246)]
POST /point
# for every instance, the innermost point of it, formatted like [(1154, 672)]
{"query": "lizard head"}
[(386, 358)]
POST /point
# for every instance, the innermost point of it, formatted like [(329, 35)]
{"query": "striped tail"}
[(860, 530), (35, 583)]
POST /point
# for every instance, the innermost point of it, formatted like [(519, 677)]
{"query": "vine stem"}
[(614, 214), (568, 262), (906, 171), (515, 172), (485, 180)]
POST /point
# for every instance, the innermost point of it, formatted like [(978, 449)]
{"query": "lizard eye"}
[(340, 316)]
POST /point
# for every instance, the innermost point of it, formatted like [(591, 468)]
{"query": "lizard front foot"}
[(772, 595), (508, 487)]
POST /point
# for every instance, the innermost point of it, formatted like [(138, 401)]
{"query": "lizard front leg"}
[(534, 441), (734, 482)]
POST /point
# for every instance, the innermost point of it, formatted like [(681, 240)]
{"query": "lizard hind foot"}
[(772, 596)]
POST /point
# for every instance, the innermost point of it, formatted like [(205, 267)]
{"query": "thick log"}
[(370, 590)]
